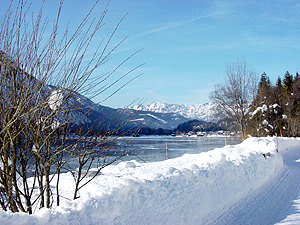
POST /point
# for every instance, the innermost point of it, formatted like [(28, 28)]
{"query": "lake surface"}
[(153, 148)]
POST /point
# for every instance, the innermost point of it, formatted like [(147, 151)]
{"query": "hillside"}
[(196, 126), (88, 114)]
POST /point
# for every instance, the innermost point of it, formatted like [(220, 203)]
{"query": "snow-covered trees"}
[(276, 109), (260, 109), (44, 72), (235, 95), (265, 112)]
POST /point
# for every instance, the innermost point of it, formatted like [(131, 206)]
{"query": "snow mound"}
[(192, 189)]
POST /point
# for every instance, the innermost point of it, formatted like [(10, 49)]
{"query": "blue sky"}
[(188, 44)]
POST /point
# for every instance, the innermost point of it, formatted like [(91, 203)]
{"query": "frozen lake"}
[(153, 148)]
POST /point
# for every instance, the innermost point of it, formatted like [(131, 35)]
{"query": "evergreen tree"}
[(296, 78), (279, 84), (266, 111), (287, 82), (262, 109), (264, 89), (276, 109), (295, 106), (279, 122), (288, 100)]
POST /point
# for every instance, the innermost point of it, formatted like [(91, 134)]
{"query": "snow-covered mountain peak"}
[(204, 112)]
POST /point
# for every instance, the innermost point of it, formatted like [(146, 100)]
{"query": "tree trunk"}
[(40, 176), (77, 182), (57, 189), (47, 186)]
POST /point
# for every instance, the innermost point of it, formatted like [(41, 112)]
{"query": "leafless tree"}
[(237, 92), (44, 69)]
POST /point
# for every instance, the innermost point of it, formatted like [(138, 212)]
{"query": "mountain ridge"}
[(206, 112)]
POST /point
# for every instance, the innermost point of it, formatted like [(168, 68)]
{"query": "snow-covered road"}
[(276, 202)]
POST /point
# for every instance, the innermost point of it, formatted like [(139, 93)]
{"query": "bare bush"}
[(43, 74), (235, 95)]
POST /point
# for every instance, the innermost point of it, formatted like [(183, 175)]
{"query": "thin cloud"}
[(182, 23)]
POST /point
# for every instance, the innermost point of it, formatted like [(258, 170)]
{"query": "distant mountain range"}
[(93, 114), (206, 112), (154, 116)]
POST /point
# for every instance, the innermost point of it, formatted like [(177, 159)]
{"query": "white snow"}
[(204, 112), (215, 187), (155, 117), (55, 124), (262, 109), (284, 116), (139, 119), (265, 122), (277, 201), (34, 148), (55, 99), (271, 126)]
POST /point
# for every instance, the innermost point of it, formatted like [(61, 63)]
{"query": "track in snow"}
[(273, 202)]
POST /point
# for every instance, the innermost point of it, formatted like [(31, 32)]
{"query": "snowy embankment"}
[(192, 189)]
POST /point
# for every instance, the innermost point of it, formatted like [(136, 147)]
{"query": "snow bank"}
[(192, 189), (285, 143)]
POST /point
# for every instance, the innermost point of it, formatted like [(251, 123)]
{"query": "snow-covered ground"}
[(230, 185)]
